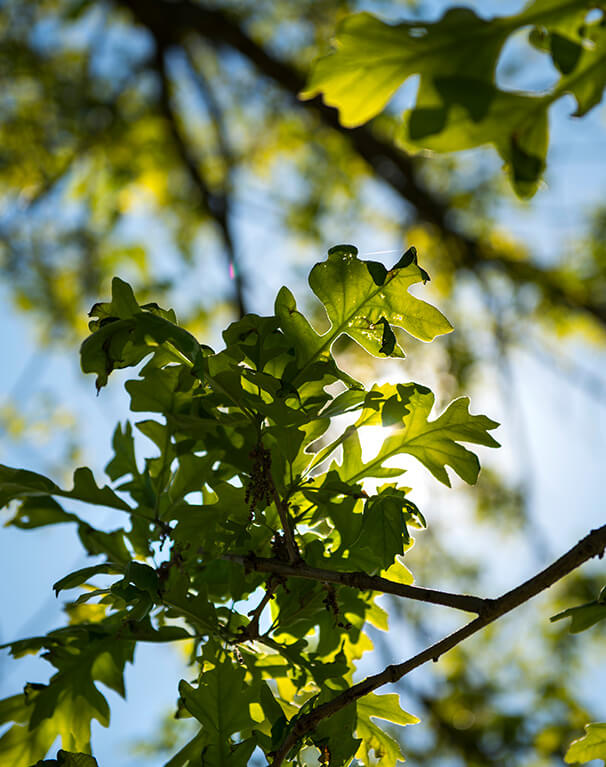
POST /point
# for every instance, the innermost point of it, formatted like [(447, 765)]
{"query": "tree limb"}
[(592, 545), (361, 581), (251, 632)]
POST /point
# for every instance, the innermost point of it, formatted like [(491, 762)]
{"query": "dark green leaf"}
[(79, 577)]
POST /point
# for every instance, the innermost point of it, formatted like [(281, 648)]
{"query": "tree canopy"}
[(141, 139)]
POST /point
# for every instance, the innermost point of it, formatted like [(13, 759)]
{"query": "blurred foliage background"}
[(163, 141)]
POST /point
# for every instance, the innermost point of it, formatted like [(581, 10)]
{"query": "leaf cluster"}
[(252, 472)]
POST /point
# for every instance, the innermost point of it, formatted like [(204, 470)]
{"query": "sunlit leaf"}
[(362, 299), (591, 746), (458, 103)]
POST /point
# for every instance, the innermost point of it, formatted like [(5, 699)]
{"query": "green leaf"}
[(334, 736), (383, 534), (19, 483), (66, 706), (433, 443), (236, 428), (124, 461), (143, 576), (584, 616), (386, 707), (591, 746), (220, 704), (19, 746), (99, 542), (69, 759), (213, 525), (399, 573), (361, 299), (40, 511), (124, 333), (190, 754), (458, 103), (87, 490), (78, 577)]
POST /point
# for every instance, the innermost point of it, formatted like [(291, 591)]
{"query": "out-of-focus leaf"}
[(458, 104)]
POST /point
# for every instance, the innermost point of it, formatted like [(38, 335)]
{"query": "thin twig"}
[(361, 581), (251, 631), (590, 546), (286, 522)]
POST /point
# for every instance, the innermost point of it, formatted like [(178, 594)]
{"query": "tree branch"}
[(251, 632), (361, 581), (285, 519), (170, 22), (216, 204), (590, 546)]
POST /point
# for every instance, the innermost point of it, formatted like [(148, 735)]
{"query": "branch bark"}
[(592, 545), (361, 581)]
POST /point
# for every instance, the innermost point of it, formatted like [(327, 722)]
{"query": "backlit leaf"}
[(458, 103), (591, 746), (360, 297)]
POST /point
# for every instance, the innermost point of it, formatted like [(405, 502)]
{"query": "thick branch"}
[(171, 22), (361, 581), (590, 546)]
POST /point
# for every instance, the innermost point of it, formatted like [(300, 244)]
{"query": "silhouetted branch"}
[(361, 581), (590, 546), (251, 632)]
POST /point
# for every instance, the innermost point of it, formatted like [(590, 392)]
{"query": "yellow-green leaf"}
[(591, 746)]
